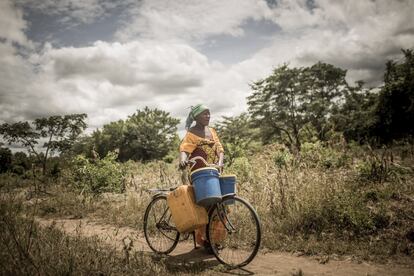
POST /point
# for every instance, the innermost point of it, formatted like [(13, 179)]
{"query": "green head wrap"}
[(195, 111)]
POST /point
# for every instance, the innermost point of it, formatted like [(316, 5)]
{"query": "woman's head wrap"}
[(194, 112)]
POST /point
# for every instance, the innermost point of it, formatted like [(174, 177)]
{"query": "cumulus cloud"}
[(355, 35), (181, 19), (157, 61), (12, 24), (148, 63), (105, 80)]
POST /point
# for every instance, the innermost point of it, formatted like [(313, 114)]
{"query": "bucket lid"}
[(202, 169), (227, 176)]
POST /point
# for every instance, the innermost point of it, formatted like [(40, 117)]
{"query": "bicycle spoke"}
[(234, 232), (161, 234)]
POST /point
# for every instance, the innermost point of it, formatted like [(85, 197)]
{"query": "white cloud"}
[(109, 81), (355, 35), (12, 24), (182, 19)]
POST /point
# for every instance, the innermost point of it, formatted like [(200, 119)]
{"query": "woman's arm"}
[(221, 159)]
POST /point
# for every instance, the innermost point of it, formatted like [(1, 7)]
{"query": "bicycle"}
[(233, 228)]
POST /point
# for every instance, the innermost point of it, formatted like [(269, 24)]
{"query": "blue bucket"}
[(206, 186), (228, 186)]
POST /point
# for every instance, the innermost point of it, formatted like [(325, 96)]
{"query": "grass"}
[(343, 201), (27, 249), (319, 209)]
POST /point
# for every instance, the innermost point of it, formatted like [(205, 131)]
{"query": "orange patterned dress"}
[(209, 149)]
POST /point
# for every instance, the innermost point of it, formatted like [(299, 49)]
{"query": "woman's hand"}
[(183, 160), (183, 164)]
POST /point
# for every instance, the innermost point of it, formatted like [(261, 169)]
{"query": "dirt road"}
[(271, 263)]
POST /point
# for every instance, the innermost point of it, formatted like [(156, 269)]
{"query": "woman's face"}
[(203, 118)]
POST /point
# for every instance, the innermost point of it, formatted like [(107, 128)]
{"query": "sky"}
[(110, 58)]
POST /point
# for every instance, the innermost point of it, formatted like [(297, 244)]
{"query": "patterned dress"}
[(209, 149)]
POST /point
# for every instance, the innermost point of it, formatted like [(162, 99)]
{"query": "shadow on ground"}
[(196, 261)]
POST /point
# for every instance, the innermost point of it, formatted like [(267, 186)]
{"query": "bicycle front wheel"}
[(159, 230), (234, 232)]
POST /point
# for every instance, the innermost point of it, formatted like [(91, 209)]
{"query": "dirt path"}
[(264, 264)]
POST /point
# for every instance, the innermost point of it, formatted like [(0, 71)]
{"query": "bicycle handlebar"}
[(193, 161)]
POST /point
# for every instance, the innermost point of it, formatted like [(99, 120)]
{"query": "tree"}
[(236, 134), (5, 159), (325, 86), (58, 132), (275, 105), (148, 134), (110, 138), (355, 117), (291, 99), (395, 108)]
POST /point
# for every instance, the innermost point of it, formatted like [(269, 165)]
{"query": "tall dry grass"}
[(28, 249), (340, 199)]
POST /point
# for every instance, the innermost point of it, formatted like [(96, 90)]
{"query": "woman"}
[(200, 140)]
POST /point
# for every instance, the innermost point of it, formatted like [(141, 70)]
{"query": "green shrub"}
[(315, 154), (282, 158), (17, 169), (242, 168), (102, 175)]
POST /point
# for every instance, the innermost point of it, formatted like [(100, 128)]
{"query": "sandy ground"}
[(270, 263)]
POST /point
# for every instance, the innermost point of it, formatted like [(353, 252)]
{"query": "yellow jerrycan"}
[(186, 214)]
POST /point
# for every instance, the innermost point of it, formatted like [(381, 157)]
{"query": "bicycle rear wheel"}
[(159, 230), (234, 232)]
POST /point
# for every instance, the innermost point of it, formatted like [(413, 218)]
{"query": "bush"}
[(242, 168), (17, 169), (102, 175), (315, 154), (381, 167), (282, 158)]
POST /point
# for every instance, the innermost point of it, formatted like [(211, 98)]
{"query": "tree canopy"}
[(395, 107), (58, 134), (288, 100), (148, 134)]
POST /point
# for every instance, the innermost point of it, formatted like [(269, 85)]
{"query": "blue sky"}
[(109, 58)]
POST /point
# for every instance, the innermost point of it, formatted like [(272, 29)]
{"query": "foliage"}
[(237, 136), (395, 108), (315, 154), (59, 132), (149, 134), (380, 115), (146, 135), (5, 159), (324, 84), (378, 166), (355, 117), (282, 157), (274, 105), (99, 176), (21, 159), (109, 138), (290, 98)]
